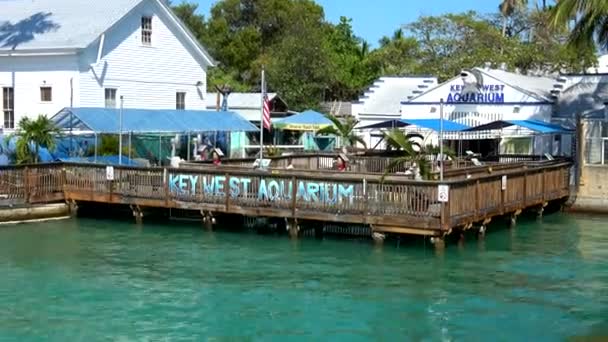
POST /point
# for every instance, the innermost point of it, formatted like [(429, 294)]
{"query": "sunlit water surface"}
[(92, 280)]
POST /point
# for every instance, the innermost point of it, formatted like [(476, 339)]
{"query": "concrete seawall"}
[(34, 213), (592, 195)]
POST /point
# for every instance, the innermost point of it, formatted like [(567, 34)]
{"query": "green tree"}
[(452, 42), (411, 152), (40, 132), (507, 8), (591, 21), (396, 56), (344, 130)]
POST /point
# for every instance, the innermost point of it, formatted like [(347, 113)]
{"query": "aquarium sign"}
[(267, 190), (489, 93)]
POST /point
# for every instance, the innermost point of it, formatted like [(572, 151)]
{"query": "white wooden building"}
[(62, 53)]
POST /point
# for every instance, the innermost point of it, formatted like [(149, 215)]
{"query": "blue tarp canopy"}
[(106, 120), (532, 125), (432, 124), (306, 121), (106, 160)]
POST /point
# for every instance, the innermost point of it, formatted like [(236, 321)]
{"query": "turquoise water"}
[(88, 280)]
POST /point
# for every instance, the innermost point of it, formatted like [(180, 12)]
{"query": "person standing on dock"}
[(217, 155), (341, 162)]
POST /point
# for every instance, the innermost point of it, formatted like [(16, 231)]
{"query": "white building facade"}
[(62, 53)]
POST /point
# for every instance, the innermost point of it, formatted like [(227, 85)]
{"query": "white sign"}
[(503, 183), (110, 173), (443, 193)]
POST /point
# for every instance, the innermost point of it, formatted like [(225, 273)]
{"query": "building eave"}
[(40, 52)]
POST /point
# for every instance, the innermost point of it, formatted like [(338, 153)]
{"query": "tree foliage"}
[(310, 60), (343, 129), (36, 133), (591, 21)]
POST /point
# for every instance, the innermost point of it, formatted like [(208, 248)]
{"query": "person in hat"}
[(202, 152), (217, 155), (341, 162)]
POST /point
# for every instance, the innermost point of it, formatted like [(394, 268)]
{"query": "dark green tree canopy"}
[(310, 60)]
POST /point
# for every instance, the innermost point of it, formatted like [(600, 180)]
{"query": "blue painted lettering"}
[(234, 187)]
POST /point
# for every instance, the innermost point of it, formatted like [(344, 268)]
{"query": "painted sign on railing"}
[(268, 189)]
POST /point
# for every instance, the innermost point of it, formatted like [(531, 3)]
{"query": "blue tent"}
[(107, 120), (306, 121), (105, 160), (532, 125), (431, 124)]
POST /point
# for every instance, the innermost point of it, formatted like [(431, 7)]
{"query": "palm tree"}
[(40, 132), (412, 151), (345, 130), (507, 8), (591, 23)]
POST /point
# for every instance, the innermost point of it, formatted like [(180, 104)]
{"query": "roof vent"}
[(487, 65), (503, 66)]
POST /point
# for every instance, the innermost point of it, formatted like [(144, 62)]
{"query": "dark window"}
[(180, 100), (46, 94), (146, 30), (8, 107), (110, 96)]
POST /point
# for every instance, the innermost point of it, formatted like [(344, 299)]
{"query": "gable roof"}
[(537, 87), (34, 25), (106, 120)]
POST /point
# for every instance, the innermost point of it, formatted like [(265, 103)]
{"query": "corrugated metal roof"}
[(387, 93), (538, 86), (57, 24), (585, 95), (241, 100), (106, 120)]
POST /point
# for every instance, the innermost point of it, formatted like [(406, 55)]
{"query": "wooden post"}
[(543, 184), (26, 184), (294, 194), (166, 186), (227, 190), (477, 198), (525, 192)]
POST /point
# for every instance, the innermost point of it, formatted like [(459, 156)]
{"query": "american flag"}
[(265, 109)]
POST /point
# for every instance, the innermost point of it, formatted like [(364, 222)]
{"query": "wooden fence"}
[(393, 204)]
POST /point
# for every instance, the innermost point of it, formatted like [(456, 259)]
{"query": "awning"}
[(106, 120), (431, 124), (532, 125), (306, 121)]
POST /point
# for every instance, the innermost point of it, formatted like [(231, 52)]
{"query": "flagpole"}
[(262, 118)]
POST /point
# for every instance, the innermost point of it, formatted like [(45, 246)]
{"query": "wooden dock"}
[(469, 197)]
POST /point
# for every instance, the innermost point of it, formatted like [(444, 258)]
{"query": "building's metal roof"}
[(536, 86), (106, 120), (584, 95), (387, 93), (241, 100), (30, 26), (57, 24)]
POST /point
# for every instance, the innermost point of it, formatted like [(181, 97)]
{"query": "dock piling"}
[(137, 213), (292, 227)]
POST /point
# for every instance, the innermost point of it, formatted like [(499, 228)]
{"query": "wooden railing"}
[(31, 184), (323, 196)]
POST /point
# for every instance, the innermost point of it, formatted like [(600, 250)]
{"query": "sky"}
[(373, 19)]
